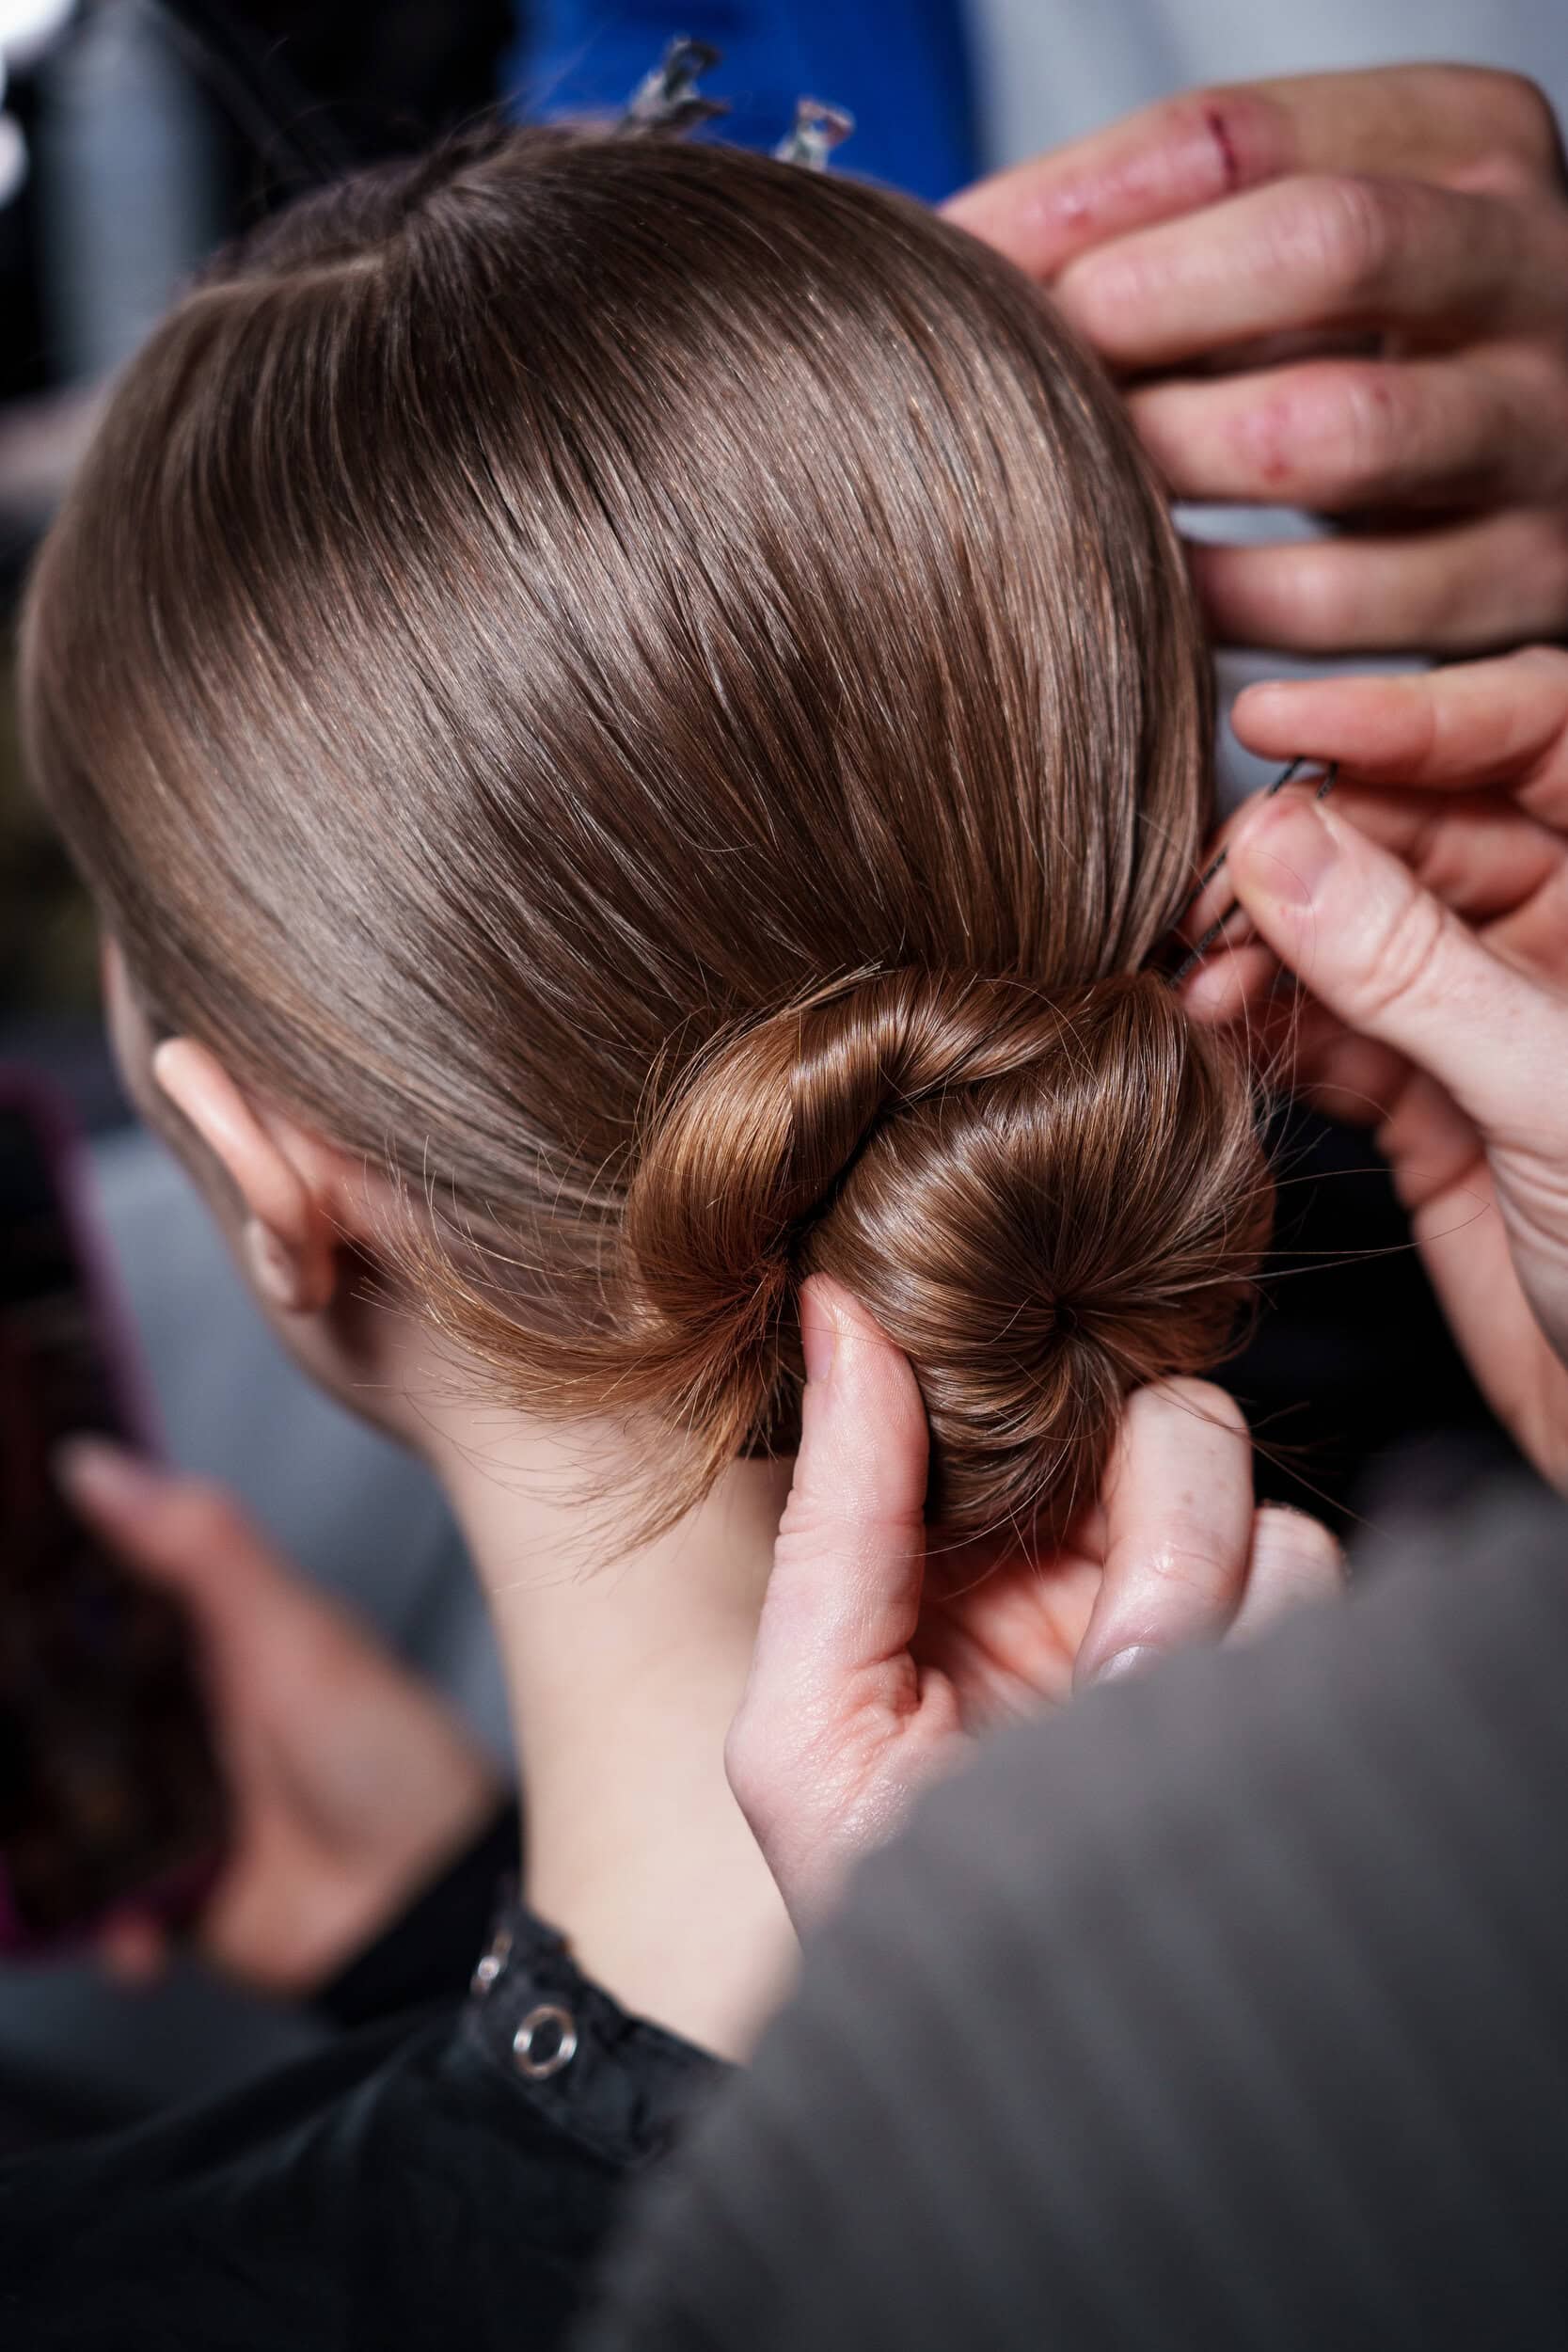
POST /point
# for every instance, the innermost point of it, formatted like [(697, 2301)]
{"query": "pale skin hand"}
[(1424, 910), (351, 1782), (877, 1661), (1395, 244)]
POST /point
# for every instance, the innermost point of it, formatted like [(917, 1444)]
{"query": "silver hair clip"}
[(817, 129), (668, 98), (1171, 943)]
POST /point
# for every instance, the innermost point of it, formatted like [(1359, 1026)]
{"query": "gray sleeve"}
[(1229, 2009)]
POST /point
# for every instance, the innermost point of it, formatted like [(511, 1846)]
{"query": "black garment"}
[(427, 1954), (420, 2185), (1227, 2011)]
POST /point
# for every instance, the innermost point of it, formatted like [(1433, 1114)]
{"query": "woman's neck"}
[(624, 1674)]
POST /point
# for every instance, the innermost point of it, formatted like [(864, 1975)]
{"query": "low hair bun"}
[(1045, 1198)]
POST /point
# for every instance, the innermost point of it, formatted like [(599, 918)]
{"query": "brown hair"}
[(656, 689)]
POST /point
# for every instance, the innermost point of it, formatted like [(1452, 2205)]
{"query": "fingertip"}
[(1165, 1408), (1228, 983), (832, 1319), (1378, 722), (1006, 213), (1262, 713), (970, 208), (818, 1329), (1275, 719), (1296, 1563), (1295, 1540), (845, 1332), (832, 1301), (103, 1479), (864, 1426), (1283, 855), (132, 1948), (1179, 1526)]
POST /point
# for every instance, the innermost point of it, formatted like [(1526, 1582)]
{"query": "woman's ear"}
[(289, 1234)]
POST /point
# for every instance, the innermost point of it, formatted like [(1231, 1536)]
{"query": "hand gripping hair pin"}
[(1217, 930), (816, 130), (668, 98)]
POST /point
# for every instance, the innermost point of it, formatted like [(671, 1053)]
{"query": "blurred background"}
[(143, 137), (136, 138)]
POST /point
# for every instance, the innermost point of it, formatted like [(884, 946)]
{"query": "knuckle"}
[(1370, 431), (1531, 419), (1524, 121), (818, 1522), (1343, 230), (856, 1543), (1104, 292), (1194, 118), (1245, 131), (1406, 962), (1268, 440), (1520, 590), (1548, 606), (1313, 595), (1188, 1564), (1552, 658), (1342, 433)]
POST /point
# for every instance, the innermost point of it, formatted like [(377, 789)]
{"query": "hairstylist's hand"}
[(352, 1783), (1424, 908), (874, 1664), (1396, 242)]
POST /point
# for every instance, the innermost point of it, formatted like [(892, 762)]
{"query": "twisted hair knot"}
[(1045, 1199)]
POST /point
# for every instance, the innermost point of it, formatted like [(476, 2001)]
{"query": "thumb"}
[(833, 1686), (1395, 964), (845, 1591)]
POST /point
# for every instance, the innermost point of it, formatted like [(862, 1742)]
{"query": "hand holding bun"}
[(994, 1226), (1045, 1199), (872, 1668)]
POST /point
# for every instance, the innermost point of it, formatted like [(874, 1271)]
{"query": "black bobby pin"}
[(1215, 932)]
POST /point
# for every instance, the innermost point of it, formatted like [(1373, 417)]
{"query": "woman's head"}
[(653, 691)]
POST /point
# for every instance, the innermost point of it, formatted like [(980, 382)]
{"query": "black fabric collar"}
[(618, 2085)]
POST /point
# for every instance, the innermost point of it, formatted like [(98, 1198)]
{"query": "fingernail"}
[(818, 1341), (1285, 853), (99, 1476), (1260, 690), (1123, 1662)]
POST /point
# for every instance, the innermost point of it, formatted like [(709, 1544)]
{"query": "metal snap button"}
[(544, 2042), (491, 1965)]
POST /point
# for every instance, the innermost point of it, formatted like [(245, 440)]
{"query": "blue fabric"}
[(901, 67)]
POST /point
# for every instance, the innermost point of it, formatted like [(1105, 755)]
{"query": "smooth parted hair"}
[(653, 691)]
